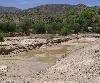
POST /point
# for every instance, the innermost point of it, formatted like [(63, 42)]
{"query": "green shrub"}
[(39, 27), (65, 31), (8, 27), (2, 35)]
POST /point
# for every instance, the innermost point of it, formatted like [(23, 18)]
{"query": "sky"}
[(24, 4)]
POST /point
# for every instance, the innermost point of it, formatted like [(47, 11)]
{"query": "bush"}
[(26, 25), (65, 31), (2, 35), (8, 27), (54, 27), (39, 27)]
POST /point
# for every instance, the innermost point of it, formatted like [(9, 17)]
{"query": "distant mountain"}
[(9, 9), (53, 9), (39, 12), (81, 5)]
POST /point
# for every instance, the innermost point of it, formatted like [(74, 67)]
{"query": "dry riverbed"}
[(38, 65)]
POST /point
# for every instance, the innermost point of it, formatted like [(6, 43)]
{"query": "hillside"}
[(43, 11), (8, 9), (9, 14), (54, 9)]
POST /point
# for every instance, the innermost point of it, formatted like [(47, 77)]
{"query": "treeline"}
[(85, 21)]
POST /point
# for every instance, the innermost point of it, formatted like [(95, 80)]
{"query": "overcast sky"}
[(32, 3)]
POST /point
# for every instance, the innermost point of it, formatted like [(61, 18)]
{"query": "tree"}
[(54, 27), (26, 25), (72, 23), (66, 30), (8, 27), (39, 27), (86, 18)]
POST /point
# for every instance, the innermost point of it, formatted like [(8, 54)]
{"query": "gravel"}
[(81, 65)]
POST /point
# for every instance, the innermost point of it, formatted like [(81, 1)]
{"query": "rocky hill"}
[(8, 9), (53, 10), (9, 13), (43, 11)]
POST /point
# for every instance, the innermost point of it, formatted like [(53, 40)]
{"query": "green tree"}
[(66, 30), (86, 18), (26, 25), (39, 27), (8, 27), (54, 27)]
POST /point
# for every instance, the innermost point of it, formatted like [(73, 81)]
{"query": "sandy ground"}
[(80, 66), (75, 61)]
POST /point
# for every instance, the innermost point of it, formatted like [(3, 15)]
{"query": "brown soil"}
[(75, 61)]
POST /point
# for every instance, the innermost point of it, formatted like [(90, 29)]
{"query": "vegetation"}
[(78, 19), (2, 35)]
